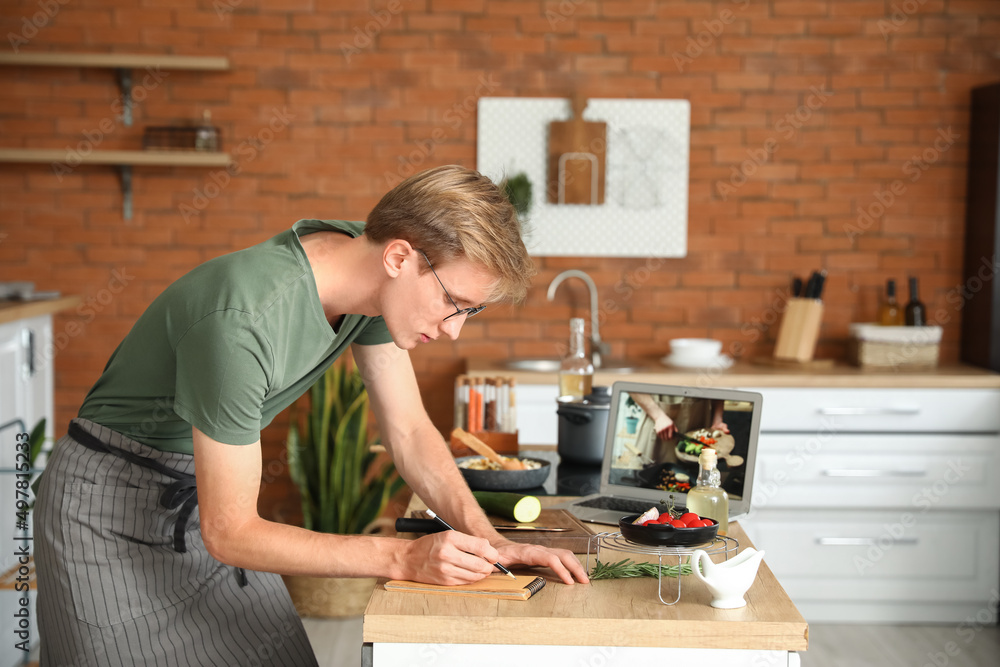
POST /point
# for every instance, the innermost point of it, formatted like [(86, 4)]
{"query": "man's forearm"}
[(428, 467), (267, 546)]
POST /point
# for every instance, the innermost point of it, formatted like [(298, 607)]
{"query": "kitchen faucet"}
[(598, 348)]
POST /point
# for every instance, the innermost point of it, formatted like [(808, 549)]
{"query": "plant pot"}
[(325, 597), (334, 597)]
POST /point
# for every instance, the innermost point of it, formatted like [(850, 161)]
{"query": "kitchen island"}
[(861, 475), (608, 622)]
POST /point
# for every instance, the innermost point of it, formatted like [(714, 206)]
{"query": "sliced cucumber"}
[(514, 506)]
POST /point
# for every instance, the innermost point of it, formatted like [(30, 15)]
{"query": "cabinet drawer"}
[(919, 472), (880, 410), (880, 556)]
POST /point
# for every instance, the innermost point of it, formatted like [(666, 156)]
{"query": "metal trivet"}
[(722, 544)]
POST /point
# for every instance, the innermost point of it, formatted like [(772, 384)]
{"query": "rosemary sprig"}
[(624, 569)]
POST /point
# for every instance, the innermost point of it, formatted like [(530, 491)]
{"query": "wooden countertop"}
[(13, 310), (617, 612), (746, 374)]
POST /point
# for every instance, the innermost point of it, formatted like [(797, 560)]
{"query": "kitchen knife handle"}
[(404, 525)]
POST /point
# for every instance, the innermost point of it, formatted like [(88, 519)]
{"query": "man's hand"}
[(665, 427), (449, 558), (562, 562), (720, 426)]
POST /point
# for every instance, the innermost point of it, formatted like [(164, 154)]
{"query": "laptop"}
[(642, 469)]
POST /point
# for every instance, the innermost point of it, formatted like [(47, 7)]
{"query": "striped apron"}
[(123, 574)]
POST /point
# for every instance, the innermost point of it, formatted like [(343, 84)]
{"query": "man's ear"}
[(394, 255)]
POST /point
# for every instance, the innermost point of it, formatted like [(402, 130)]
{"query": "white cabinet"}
[(537, 423), (26, 394), (881, 505), (873, 504)]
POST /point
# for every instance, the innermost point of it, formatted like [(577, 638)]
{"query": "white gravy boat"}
[(729, 580)]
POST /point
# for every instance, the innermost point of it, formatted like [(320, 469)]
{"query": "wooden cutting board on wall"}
[(576, 158)]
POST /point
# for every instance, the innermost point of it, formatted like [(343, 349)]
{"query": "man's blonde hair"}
[(451, 212)]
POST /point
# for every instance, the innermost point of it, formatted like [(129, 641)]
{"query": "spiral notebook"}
[(498, 586)]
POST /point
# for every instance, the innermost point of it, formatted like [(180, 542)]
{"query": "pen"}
[(444, 523)]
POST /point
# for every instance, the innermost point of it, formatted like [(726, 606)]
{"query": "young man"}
[(135, 567)]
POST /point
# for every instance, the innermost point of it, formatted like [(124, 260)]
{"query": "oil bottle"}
[(576, 374), (708, 498)]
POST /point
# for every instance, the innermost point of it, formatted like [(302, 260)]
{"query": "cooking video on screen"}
[(659, 437)]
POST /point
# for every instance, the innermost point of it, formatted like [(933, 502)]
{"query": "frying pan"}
[(505, 480)]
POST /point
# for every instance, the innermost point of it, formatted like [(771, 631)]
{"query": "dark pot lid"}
[(599, 398)]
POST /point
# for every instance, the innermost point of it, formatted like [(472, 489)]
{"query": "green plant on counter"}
[(344, 485), (518, 191)]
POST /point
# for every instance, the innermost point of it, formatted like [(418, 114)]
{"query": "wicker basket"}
[(332, 597), (322, 597), (874, 346)]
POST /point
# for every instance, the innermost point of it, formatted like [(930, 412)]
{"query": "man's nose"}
[(451, 328)]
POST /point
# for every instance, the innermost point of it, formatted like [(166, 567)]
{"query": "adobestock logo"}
[(365, 38), (246, 152), (914, 168), (30, 27), (711, 31), (786, 127)]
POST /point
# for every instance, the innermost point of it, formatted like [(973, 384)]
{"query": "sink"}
[(618, 367), (552, 366), (533, 365)]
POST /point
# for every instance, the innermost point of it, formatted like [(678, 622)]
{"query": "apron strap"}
[(183, 492)]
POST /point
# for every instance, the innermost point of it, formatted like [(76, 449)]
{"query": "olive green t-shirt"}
[(227, 347)]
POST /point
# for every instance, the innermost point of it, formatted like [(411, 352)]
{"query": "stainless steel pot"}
[(583, 425)]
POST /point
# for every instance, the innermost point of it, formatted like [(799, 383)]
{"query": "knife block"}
[(799, 330)]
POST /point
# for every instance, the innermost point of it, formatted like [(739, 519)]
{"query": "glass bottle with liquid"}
[(890, 314), (576, 374), (206, 135), (708, 498), (916, 313)]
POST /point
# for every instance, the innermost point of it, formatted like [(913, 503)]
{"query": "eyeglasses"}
[(469, 312)]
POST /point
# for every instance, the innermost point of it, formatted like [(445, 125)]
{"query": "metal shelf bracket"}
[(125, 86), (125, 172)]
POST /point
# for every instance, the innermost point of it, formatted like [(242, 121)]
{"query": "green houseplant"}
[(344, 485), (517, 188)]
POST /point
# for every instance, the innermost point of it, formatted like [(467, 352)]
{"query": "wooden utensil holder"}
[(799, 330), (502, 443)]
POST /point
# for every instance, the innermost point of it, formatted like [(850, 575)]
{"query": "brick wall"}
[(805, 113)]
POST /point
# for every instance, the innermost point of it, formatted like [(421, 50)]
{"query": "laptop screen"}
[(656, 433)]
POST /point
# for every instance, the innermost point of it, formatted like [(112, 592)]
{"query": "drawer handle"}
[(875, 473), (868, 411), (860, 541)]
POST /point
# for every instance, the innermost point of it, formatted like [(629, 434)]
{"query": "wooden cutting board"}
[(576, 156), (576, 539)]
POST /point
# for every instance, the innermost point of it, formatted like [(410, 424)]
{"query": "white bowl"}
[(695, 349)]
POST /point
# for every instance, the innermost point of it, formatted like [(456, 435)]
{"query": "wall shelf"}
[(146, 158), (122, 63), (115, 60), (124, 160)]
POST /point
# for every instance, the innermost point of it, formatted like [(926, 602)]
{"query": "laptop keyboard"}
[(616, 504)]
